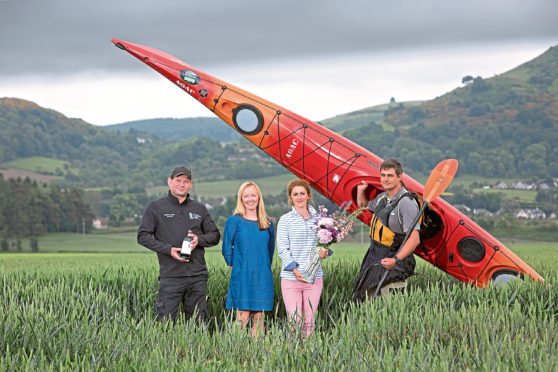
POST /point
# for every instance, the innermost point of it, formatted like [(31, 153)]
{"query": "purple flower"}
[(324, 236), (335, 227)]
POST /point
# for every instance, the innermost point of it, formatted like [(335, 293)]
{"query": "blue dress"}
[(250, 251)]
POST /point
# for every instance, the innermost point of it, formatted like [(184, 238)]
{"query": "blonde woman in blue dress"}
[(248, 245)]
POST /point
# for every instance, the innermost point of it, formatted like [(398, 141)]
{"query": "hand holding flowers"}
[(335, 227), (329, 229)]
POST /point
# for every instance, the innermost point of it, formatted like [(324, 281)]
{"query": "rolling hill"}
[(181, 129), (503, 126), (35, 139)]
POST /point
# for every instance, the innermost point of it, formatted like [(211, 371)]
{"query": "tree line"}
[(28, 210), (523, 144), (98, 157), (496, 150)]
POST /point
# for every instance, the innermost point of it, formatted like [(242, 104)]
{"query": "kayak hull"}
[(335, 166)]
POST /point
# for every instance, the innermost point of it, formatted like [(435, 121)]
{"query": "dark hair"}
[(392, 163)]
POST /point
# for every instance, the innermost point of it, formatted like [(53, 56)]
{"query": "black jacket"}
[(164, 225)]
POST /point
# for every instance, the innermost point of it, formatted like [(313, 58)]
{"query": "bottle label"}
[(186, 248)]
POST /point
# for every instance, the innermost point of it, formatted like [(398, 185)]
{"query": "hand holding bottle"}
[(186, 250)]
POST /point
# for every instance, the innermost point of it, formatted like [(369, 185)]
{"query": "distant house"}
[(552, 216), (530, 214), (544, 186), (463, 208), (244, 156), (538, 213), (482, 212), (521, 213), (523, 186), (100, 223), (501, 185)]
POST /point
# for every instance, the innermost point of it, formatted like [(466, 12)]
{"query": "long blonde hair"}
[(263, 219)]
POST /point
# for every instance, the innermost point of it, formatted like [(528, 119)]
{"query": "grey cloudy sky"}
[(51, 47)]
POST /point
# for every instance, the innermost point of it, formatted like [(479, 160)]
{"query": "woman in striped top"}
[(296, 239)]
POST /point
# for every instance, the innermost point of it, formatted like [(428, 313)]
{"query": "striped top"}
[(296, 239)]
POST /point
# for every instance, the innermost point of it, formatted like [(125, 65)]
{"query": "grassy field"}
[(95, 311), (125, 242), (89, 243), (38, 165), (526, 196)]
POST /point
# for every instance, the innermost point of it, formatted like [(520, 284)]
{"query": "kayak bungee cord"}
[(334, 166)]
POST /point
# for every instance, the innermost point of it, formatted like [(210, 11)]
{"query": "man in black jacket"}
[(164, 225)]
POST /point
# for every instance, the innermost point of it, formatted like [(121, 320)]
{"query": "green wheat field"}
[(95, 311)]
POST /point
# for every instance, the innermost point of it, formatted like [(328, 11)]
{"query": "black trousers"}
[(371, 271), (191, 291)]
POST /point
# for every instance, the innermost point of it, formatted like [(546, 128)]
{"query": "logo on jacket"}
[(194, 216), (169, 215)]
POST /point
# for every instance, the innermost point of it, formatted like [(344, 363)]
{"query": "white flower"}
[(326, 222)]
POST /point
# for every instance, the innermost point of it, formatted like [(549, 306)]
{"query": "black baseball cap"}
[(180, 171)]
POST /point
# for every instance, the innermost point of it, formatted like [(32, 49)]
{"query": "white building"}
[(530, 214)]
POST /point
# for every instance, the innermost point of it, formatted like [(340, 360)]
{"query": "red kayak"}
[(334, 166)]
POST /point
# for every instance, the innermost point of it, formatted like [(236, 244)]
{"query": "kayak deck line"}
[(335, 166)]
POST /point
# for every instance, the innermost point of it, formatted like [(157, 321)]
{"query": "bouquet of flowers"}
[(329, 229)]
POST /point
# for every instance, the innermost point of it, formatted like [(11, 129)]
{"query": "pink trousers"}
[(301, 301)]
